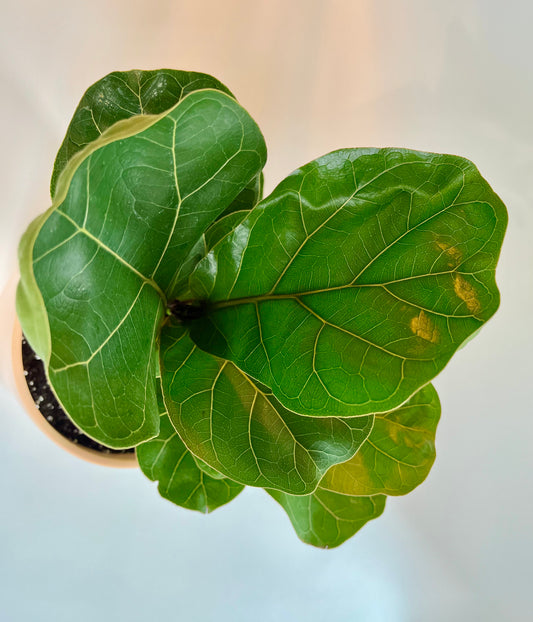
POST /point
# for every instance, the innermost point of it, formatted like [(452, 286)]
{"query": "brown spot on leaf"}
[(422, 326), (451, 251), (466, 292)]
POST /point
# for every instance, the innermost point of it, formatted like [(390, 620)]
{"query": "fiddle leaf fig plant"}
[(287, 342)]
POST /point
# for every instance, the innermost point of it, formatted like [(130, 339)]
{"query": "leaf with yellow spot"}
[(398, 454), (396, 457), (452, 252), (467, 293), (336, 291), (423, 327)]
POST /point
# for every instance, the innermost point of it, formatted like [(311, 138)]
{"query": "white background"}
[(80, 542)]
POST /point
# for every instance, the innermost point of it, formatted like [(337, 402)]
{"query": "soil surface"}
[(49, 407)]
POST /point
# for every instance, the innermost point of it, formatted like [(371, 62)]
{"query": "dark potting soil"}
[(49, 407)]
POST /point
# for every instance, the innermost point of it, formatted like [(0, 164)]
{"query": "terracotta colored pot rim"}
[(128, 460)]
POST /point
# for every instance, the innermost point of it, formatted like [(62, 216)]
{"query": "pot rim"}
[(124, 461)]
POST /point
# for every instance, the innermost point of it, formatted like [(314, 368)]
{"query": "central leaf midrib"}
[(297, 297), (222, 304)]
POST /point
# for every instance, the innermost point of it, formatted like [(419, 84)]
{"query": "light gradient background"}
[(84, 543)]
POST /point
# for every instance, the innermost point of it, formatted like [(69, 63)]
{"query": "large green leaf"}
[(237, 427), (394, 459), (124, 94), (327, 519), (98, 267), (398, 454), (166, 459), (353, 284)]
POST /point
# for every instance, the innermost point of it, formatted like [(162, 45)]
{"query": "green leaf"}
[(326, 519), (166, 459), (98, 267), (398, 454), (221, 227), (235, 424), (122, 95), (203, 466), (394, 459), (224, 224), (354, 283), (248, 198), (125, 94)]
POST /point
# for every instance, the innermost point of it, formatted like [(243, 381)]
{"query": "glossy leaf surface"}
[(398, 454), (121, 95), (166, 459), (125, 94), (395, 458), (353, 284), (327, 519), (237, 427), (295, 337), (221, 227), (98, 267)]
